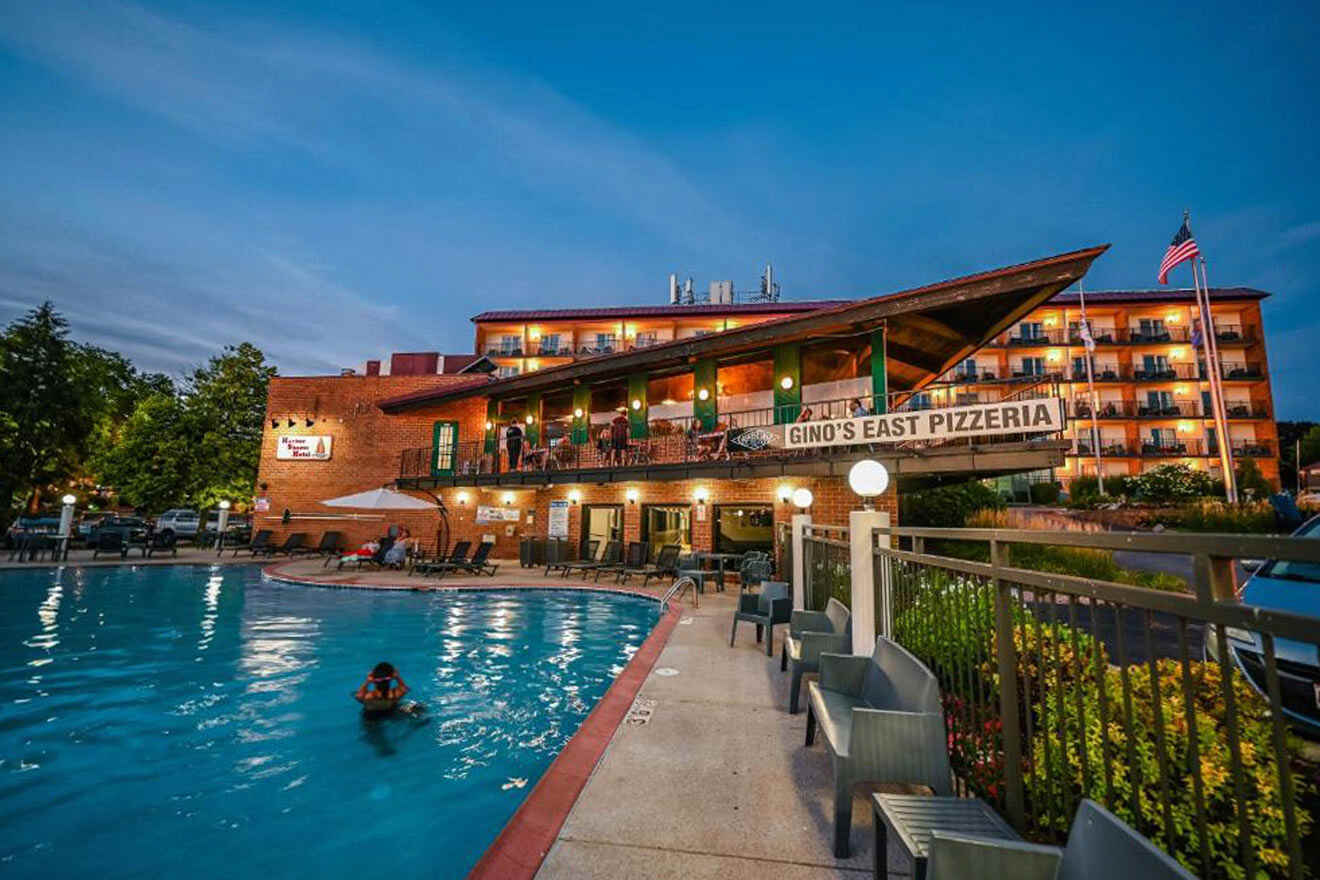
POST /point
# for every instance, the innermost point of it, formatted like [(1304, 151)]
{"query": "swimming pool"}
[(171, 721)]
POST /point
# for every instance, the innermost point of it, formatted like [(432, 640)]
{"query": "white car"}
[(184, 523)]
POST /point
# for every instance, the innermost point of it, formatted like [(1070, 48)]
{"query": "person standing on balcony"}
[(618, 438), (513, 443)]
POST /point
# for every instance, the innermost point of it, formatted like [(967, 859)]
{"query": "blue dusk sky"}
[(334, 181)]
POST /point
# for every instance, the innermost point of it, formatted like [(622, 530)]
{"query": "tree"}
[(45, 423), (151, 458), (226, 405), (1311, 447)]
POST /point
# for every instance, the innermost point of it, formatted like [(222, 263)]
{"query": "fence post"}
[(1006, 650), (800, 522), (861, 540)]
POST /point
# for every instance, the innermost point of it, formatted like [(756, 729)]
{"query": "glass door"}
[(667, 524), (601, 523), (743, 527)]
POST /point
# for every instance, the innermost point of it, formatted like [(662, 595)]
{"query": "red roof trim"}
[(1174, 295), (672, 311)]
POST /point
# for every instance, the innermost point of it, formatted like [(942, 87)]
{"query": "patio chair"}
[(260, 543), (753, 569), (634, 558), (164, 541), (666, 565), (882, 720), (612, 554), (376, 559), (110, 541), (330, 546), (426, 565), (476, 565), (293, 543), (1099, 845), (810, 634), (564, 565), (765, 609)]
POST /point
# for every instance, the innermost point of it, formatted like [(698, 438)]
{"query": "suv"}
[(184, 523), (1283, 585), (30, 525)]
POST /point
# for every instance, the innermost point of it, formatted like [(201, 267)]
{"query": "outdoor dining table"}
[(721, 561)]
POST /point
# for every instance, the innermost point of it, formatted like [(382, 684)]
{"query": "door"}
[(667, 524), (601, 523), (743, 527)]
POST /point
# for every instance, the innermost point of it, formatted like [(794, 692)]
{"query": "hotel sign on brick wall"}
[(1043, 416), (303, 448)]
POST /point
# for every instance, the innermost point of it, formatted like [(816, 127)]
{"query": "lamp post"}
[(221, 525), (801, 499), (66, 524), (868, 479)]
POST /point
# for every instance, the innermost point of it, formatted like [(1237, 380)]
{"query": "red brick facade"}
[(365, 453)]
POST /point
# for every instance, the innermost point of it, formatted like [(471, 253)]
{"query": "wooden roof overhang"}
[(928, 330)]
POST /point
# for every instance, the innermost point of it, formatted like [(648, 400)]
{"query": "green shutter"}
[(788, 401), (444, 448), (637, 424), (706, 411), (879, 377), (492, 418), (582, 426), (533, 431)]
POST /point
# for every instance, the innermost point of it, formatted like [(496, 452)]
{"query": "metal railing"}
[(1058, 687), (1246, 409)]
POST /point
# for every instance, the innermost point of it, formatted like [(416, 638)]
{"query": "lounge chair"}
[(612, 554), (666, 565), (260, 543), (765, 609), (476, 565), (883, 722), (1099, 845), (293, 544), (163, 541), (564, 565), (457, 555), (810, 634), (110, 541), (635, 558), (376, 559), (332, 545)]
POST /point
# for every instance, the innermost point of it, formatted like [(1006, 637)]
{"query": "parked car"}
[(87, 523), (29, 525), (1282, 585), (183, 522), (135, 528)]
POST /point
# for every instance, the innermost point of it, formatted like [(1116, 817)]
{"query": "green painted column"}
[(637, 424), (533, 431), (581, 433), (492, 425), (879, 376), (788, 365), (704, 378)]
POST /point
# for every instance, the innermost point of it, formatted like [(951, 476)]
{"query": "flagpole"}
[(1217, 389), (1088, 346)]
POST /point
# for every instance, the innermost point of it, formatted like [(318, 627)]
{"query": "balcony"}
[(1044, 337), (1180, 449), (1253, 449), (1242, 372), (1108, 373), (1099, 335), (1234, 334), (1179, 409), (1164, 373), (1109, 409), (1136, 336), (966, 377), (1246, 409), (1107, 450)]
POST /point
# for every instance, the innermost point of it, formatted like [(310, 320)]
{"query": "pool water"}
[(194, 721)]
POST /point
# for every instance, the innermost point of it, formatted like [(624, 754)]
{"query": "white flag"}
[(1085, 332)]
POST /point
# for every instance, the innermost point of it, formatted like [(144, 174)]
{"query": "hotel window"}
[(1160, 403), (917, 401), (968, 368), (1079, 368), (743, 527), (550, 344), (1154, 365), (645, 339), (1152, 329), (1163, 438), (606, 342), (967, 398), (1033, 367), (1031, 330), (510, 346), (506, 372)]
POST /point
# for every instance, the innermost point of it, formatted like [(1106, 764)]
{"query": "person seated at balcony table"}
[(618, 439), (858, 409), (513, 443), (603, 446), (535, 457)]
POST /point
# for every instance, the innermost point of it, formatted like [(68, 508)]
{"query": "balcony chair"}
[(883, 722), (1099, 845), (770, 606), (810, 634)]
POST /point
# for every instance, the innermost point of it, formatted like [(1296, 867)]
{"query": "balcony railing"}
[(1243, 371), (1112, 373), (1110, 450), (1176, 449), (1234, 334), (1246, 409), (1044, 337), (1099, 335), (1167, 334), (1253, 449), (1109, 409), (1166, 373), (681, 441)]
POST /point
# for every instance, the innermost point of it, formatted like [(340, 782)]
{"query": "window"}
[(1163, 438), (667, 524), (510, 345), (645, 339), (606, 342), (1079, 368), (743, 527), (1033, 366), (1159, 400), (968, 368), (1031, 330), (601, 523), (967, 398), (1154, 364), (506, 372), (1151, 328), (550, 344)]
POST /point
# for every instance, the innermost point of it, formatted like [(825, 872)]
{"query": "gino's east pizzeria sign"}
[(1043, 416), (303, 448)]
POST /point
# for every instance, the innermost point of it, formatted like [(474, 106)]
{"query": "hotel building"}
[(675, 424)]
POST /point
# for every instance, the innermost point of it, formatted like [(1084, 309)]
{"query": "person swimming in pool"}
[(379, 693)]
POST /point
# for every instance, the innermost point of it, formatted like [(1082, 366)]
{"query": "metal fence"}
[(1058, 687)]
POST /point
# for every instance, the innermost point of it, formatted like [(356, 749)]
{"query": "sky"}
[(335, 181)]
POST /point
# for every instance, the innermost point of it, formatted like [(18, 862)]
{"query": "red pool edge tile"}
[(526, 840)]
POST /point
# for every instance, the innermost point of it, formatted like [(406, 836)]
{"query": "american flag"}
[(1181, 249)]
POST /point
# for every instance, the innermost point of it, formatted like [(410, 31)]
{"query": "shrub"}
[(1067, 767), (946, 506), (1206, 515), (1172, 482), (1251, 483), (1044, 493), (1084, 491)]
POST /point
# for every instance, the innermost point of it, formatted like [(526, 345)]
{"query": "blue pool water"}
[(187, 721)]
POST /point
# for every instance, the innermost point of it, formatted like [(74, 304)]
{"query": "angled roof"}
[(671, 311), (928, 329), (1175, 294)]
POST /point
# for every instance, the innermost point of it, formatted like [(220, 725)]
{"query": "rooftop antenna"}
[(673, 288), (688, 296)]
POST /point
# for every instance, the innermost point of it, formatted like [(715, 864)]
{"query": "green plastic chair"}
[(882, 720), (765, 609), (810, 634), (1100, 845)]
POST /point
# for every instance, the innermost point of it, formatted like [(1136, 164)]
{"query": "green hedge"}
[(946, 506)]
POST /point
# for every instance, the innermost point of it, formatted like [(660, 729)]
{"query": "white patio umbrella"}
[(380, 499)]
